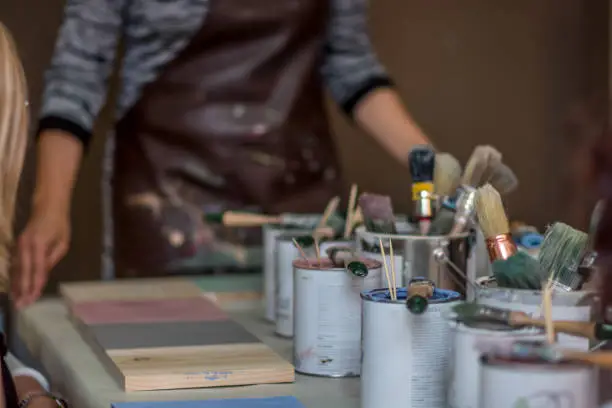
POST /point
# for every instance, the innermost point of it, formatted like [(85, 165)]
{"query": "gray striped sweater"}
[(154, 31)]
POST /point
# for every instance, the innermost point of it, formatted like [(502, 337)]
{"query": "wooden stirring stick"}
[(302, 253), (392, 260), (384, 258), (348, 224)]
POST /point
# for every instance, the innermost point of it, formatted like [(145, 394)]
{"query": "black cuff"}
[(377, 82), (66, 125)]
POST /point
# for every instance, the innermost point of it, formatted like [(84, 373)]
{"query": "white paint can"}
[(464, 390), (574, 306), (343, 243), (513, 382), (327, 319), (270, 233), (286, 253), (405, 356)]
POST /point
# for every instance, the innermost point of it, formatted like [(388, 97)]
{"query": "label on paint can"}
[(327, 336)]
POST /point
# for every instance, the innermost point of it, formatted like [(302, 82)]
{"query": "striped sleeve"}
[(76, 81), (351, 68)]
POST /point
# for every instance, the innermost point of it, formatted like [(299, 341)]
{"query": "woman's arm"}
[(360, 85), (76, 85)]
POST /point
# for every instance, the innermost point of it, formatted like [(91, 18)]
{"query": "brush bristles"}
[(561, 252), (482, 158), (447, 174), (490, 211), (376, 207)]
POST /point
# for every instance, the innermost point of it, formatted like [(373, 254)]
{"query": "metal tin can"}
[(286, 253), (270, 233), (327, 320), (464, 389), (406, 356), (574, 306), (519, 382), (420, 256), (345, 243)]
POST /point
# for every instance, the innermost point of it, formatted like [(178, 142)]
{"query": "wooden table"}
[(76, 372)]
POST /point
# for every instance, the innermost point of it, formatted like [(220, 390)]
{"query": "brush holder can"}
[(574, 306), (327, 320), (464, 390), (287, 252), (441, 259), (481, 262), (270, 233), (344, 243), (511, 382), (405, 358)]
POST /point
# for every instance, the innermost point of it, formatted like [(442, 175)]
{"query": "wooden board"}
[(144, 311), (272, 402), (130, 289), (158, 334)]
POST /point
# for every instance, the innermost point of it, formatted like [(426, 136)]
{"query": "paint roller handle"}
[(581, 329), (243, 219)]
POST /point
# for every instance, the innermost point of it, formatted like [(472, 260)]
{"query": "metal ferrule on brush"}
[(424, 201), (465, 209), (501, 247)]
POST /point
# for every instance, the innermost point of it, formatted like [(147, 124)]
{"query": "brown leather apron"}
[(236, 119)]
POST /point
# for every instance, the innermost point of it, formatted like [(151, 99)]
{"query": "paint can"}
[(270, 233), (531, 382), (444, 260), (286, 253), (406, 356), (344, 243), (327, 320), (574, 306), (464, 384)]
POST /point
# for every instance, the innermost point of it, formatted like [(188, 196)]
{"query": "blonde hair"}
[(14, 120)]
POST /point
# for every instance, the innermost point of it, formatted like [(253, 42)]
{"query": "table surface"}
[(51, 338)]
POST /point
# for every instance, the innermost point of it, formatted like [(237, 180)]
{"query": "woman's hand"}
[(43, 243)]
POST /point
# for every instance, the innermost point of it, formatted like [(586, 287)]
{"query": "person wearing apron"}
[(221, 106)]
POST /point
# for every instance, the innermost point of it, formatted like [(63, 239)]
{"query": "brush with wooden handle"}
[(502, 178), (378, 214), (561, 256), (471, 312), (512, 268), (530, 350), (422, 161), (350, 210)]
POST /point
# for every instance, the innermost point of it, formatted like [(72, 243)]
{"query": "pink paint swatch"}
[(148, 311)]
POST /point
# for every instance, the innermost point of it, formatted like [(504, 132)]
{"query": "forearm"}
[(59, 156), (383, 116)]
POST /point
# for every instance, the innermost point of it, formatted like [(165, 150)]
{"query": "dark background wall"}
[(505, 72)]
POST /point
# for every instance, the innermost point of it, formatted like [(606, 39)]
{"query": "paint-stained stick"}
[(384, 257)]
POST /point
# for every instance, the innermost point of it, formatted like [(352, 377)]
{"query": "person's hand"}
[(42, 244)]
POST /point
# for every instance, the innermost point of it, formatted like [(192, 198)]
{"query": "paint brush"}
[(561, 254), (240, 219), (422, 161), (343, 257), (447, 175), (511, 268), (377, 213), (482, 158), (503, 179), (471, 312), (418, 293), (449, 222), (299, 248), (348, 224), (530, 350)]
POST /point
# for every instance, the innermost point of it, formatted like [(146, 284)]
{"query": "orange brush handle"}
[(582, 329), (239, 219)]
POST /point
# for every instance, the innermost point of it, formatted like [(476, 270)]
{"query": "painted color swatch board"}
[(274, 402), (166, 334)]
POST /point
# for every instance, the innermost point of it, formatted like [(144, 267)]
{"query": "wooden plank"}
[(200, 366), (169, 334), (148, 311), (130, 289), (270, 402)]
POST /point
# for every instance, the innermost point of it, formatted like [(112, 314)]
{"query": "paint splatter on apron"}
[(235, 121)]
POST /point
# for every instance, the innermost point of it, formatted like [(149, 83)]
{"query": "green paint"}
[(358, 269), (417, 304), (230, 283)]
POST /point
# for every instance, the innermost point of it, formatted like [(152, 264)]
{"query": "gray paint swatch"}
[(171, 334)]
